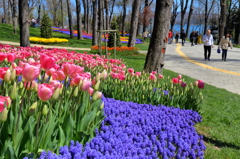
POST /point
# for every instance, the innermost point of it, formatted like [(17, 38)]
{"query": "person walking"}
[(176, 37), (170, 37), (224, 44), (3, 20), (192, 35), (208, 44), (196, 37), (183, 37)]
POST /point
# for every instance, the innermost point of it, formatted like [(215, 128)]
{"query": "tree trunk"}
[(4, 9), (9, 20), (124, 16), (88, 21), (100, 15), (111, 12), (189, 16), (158, 43), (134, 23), (70, 19), (15, 24), (94, 24), (174, 13), (79, 19), (145, 16), (39, 10), (222, 22), (205, 18), (23, 21), (85, 14), (183, 11), (107, 21), (62, 13)]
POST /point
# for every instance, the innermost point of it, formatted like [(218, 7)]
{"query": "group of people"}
[(34, 23), (207, 40)]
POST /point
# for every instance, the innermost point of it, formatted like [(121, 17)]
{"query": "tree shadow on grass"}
[(220, 144)]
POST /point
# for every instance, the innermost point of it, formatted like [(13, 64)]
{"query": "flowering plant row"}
[(47, 41), (123, 50), (45, 103), (132, 130)]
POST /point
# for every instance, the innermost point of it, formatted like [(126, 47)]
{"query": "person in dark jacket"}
[(183, 37), (192, 36)]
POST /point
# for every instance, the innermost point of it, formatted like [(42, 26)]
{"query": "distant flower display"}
[(132, 130), (50, 40)]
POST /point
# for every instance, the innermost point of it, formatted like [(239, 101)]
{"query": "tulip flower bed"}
[(51, 96), (132, 130), (47, 41), (124, 50)]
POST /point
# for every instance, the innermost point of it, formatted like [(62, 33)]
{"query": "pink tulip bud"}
[(11, 57), (179, 81), (200, 81), (45, 91), (30, 72), (85, 85), (58, 75), (179, 76), (154, 72), (29, 85), (56, 84), (2, 56), (47, 62), (104, 74), (138, 73), (98, 76), (152, 77), (4, 100), (18, 70), (97, 95), (3, 71), (7, 75), (90, 91), (196, 83)]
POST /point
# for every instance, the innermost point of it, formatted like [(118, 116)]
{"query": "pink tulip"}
[(29, 85), (58, 75), (175, 80), (138, 73), (18, 70), (11, 57), (2, 57), (47, 62), (121, 77), (85, 85), (90, 91), (45, 91), (196, 83), (56, 84), (160, 76), (152, 77), (75, 81), (179, 76), (30, 72), (68, 69), (179, 81), (154, 72), (4, 100), (200, 81), (201, 85), (3, 71), (130, 70)]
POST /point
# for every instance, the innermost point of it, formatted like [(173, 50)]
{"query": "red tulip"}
[(152, 77), (175, 80), (3, 71), (183, 84), (45, 91), (131, 70), (201, 85), (75, 81), (47, 62), (2, 57), (160, 76), (30, 72)]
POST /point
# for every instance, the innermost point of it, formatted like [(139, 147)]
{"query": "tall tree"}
[(79, 19), (189, 16), (94, 23), (146, 11), (9, 19), (222, 20), (85, 14), (15, 24), (174, 13), (62, 14), (158, 43), (4, 9), (134, 23), (23, 21), (111, 11), (100, 15), (207, 13), (106, 14), (70, 19), (124, 16), (183, 11)]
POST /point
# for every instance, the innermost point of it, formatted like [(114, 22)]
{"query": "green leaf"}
[(68, 127), (61, 136)]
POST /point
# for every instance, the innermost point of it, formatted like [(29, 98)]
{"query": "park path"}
[(187, 60)]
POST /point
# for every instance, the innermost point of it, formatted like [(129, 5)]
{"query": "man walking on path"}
[(183, 37), (208, 43)]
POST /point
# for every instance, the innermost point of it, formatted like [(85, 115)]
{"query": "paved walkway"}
[(187, 60)]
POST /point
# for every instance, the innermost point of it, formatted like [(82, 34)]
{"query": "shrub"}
[(114, 26), (46, 28)]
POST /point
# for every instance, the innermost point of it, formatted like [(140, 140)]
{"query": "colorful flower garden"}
[(56, 103), (89, 36), (47, 41)]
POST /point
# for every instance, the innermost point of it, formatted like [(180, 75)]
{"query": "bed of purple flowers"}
[(132, 130)]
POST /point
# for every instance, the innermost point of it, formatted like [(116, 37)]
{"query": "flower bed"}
[(123, 50), (132, 130), (47, 41)]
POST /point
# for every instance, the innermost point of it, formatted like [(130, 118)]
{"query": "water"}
[(199, 28)]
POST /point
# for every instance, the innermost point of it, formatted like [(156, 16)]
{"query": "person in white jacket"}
[(224, 44), (208, 44)]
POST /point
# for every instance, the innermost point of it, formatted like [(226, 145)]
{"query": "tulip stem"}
[(37, 142)]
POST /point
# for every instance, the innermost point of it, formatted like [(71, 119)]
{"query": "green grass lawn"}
[(221, 114)]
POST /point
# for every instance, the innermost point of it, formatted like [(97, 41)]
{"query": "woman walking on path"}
[(176, 37), (224, 44)]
